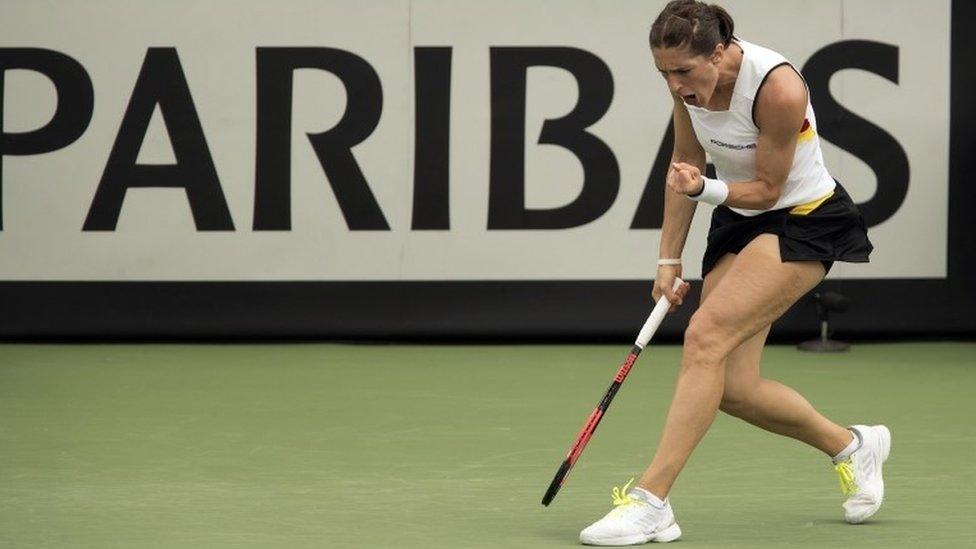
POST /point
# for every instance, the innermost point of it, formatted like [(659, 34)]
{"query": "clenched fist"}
[(685, 179)]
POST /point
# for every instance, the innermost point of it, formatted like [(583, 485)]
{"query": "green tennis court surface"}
[(326, 445)]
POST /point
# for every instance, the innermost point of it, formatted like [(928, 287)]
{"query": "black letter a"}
[(161, 81)]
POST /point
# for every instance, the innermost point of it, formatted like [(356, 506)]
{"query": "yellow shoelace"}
[(621, 497), (845, 472)]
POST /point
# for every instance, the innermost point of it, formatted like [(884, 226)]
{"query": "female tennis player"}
[(779, 224)]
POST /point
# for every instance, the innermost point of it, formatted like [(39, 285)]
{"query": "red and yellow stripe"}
[(806, 132)]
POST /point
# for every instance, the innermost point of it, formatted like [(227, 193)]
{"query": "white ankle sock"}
[(850, 449), (648, 497)]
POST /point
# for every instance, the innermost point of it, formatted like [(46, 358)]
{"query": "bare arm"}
[(678, 211), (780, 111), (782, 107)]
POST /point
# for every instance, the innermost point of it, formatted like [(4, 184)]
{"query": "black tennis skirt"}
[(832, 231)]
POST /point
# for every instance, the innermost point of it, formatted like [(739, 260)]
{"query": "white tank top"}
[(730, 137)]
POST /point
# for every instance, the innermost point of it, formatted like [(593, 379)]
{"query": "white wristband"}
[(669, 261), (714, 192)]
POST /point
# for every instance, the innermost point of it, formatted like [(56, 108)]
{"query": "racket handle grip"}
[(656, 317)]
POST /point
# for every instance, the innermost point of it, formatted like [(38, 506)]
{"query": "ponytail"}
[(726, 25)]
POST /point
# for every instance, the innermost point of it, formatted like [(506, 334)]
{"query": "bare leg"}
[(757, 288), (765, 403), (775, 407)]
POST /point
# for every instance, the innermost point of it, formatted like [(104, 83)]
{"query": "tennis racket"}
[(650, 326)]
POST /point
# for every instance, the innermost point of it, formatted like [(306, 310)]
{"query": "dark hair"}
[(698, 25)]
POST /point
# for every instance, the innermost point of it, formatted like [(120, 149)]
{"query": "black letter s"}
[(876, 147)]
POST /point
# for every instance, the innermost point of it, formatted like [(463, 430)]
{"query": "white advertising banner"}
[(422, 139)]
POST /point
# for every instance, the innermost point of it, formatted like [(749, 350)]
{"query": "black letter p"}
[(76, 101)]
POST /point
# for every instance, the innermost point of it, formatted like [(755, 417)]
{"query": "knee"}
[(705, 341), (740, 395), (735, 402)]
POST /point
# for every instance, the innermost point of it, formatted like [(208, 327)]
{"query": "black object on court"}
[(827, 302)]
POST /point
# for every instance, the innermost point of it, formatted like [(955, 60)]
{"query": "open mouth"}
[(690, 99)]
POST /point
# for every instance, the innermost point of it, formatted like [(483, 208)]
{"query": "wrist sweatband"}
[(669, 261), (714, 192)]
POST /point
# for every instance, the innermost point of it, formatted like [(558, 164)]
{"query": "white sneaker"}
[(632, 521), (860, 474)]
